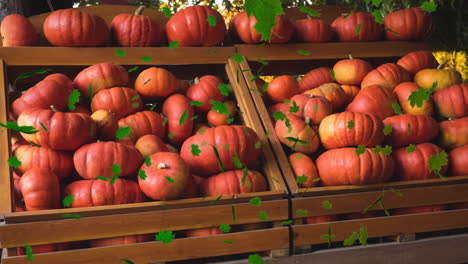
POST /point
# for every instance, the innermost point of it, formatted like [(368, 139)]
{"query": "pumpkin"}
[(299, 137), (351, 71), (81, 109), (127, 30), (410, 24), (40, 249), (444, 78), (74, 28), (40, 189), (98, 159), (333, 93), (150, 144), (416, 61), (167, 177), (387, 75), (52, 90), (121, 101), (283, 107), (351, 129), (211, 231), (351, 91), (156, 83), (357, 216), (143, 123), (411, 129), (17, 195), (313, 30), (403, 92), (17, 30), (454, 133), (420, 209), (204, 90), (375, 100), (216, 118), (346, 27), (452, 101), (243, 27), (282, 88), (458, 158), (303, 167), (192, 190), (414, 165), (100, 76), (320, 219), (234, 182), (179, 114), (228, 141), (106, 124), (190, 28), (123, 240), (345, 167), (88, 193), (315, 78), (65, 131), (58, 162), (182, 87), (313, 108)]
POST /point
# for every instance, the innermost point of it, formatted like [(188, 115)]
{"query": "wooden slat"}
[(382, 226), (46, 232), (179, 249), (357, 202)]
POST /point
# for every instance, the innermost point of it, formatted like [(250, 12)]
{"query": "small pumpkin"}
[(333, 93), (375, 100), (179, 114), (411, 129), (444, 78), (40, 189), (150, 144), (351, 71), (234, 182), (215, 118), (346, 27), (315, 78), (453, 133), (452, 101), (282, 88), (156, 83), (106, 124), (123, 240), (299, 136), (403, 92), (416, 61), (387, 75), (121, 101), (313, 108), (409, 24), (100, 76), (204, 90), (143, 123), (303, 167), (313, 30), (458, 158), (17, 30)]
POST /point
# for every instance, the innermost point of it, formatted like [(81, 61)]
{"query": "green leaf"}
[(224, 89), (327, 205), (170, 135), (263, 216), (120, 52), (358, 29), (394, 32), (113, 179), (257, 201), (122, 132), (258, 145), (133, 69), (43, 126), (219, 107), (233, 212), (211, 51), (285, 223), (225, 228), (410, 148), (348, 14), (196, 103), (436, 162), (174, 44), (316, 179), (142, 174), (316, 106), (148, 161), (228, 241), (153, 106), (397, 109), (102, 178), (350, 124), (378, 200), (396, 192), (309, 11), (14, 162), (220, 163), (303, 52), (126, 260), (135, 105), (255, 259), (194, 117), (165, 236), (378, 16), (238, 58), (245, 171), (211, 20), (167, 12), (116, 169), (387, 213), (363, 235), (377, 149), (73, 99), (29, 74), (29, 253), (91, 94), (195, 150), (265, 11), (429, 6), (360, 150), (294, 108), (278, 115), (351, 239), (146, 59), (332, 74), (68, 200), (302, 212), (237, 161), (169, 179), (376, 3), (302, 178), (387, 130), (216, 200), (387, 150), (183, 117), (418, 97), (71, 216)]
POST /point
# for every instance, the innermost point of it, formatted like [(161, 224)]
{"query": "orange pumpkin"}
[(303, 166), (375, 100), (150, 144), (313, 30), (143, 123), (100, 76), (333, 93), (282, 88), (204, 90), (453, 133), (215, 118), (452, 101), (351, 91), (106, 124), (417, 60), (313, 108), (179, 114), (420, 209), (388, 75), (121, 101), (156, 83), (123, 240), (346, 27), (403, 92), (410, 24), (458, 158), (315, 78), (411, 129), (320, 219), (351, 71), (17, 30), (203, 232), (299, 137), (40, 189), (444, 78), (234, 182)]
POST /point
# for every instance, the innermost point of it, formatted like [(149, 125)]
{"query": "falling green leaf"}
[(71, 216), (237, 161), (350, 124), (255, 259), (302, 178), (348, 14), (278, 115), (387, 213), (167, 12), (418, 97), (196, 103), (219, 107), (146, 59), (133, 69), (228, 241), (378, 16), (303, 52), (220, 163), (327, 205), (394, 32), (29, 253), (165, 236), (224, 89), (142, 174), (436, 162), (194, 117), (396, 192), (91, 94), (332, 74), (122, 132), (378, 200), (258, 145), (387, 150), (233, 212), (216, 200), (410, 148), (195, 150), (174, 44), (169, 179), (429, 6), (329, 237), (245, 171), (263, 216), (351, 239), (43, 126), (360, 150), (397, 109), (113, 179), (183, 117), (225, 228), (73, 99), (294, 108), (358, 29), (238, 58), (120, 52), (127, 261), (29, 74), (211, 20), (170, 135), (387, 130), (257, 201), (376, 3), (309, 11), (285, 223), (14, 162), (116, 169), (302, 212), (316, 106), (153, 106), (363, 235), (102, 178), (316, 179), (68, 200), (265, 11)]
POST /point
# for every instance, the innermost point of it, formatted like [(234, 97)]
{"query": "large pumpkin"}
[(190, 27), (123, 240), (204, 90), (351, 71), (299, 136), (458, 160), (333, 93), (230, 182), (228, 141), (144, 123), (420, 209), (127, 30), (156, 83), (88, 193), (315, 78), (303, 167), (52, 90), (40, 189), (403, 92), (344, 167), (454, 133), (243, 27), (374, 100), (415, 165), (58, 162), (150, 144), (167, 176), (387, 75), (443, 77), (121, 101), (179, 114), (106, 124), (100, 76), (215, 118), (312, 108), (411, 129), (98, 159), (282, 88), (17, 30), (346, 27), (417, 60), (74, 28), (313, 30), (452, 101), (65, 131), (410, 24), (351, 129)]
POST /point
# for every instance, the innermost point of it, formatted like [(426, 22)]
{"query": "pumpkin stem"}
[(350, 56), (196, 80), (139, 10), (54, 108), (442, 65), (163, 166), (309, 17)]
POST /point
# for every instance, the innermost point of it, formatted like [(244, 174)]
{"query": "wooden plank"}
[(179, 249), (382, 226), (37, 233), (357, 202)]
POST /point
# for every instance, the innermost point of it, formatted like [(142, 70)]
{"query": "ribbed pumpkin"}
[(167, 177), (46, 248), (144, 123), (344, 167), (189, 26), (17, 30), (411, 129), (228, 140), (121, 101), (313, 108), (415, 165), (99, 77), (313, 30), (65, 131), (52, 90), (156, 83), (123, 240), (282, 88), (243, 27), (402, 93), (230, 182), (150, 144), (346, 28), (88, 193), (179, 114), (351, 91), (97, 159), (204, 90), (420, 209), (374, 100), (458, 158), (303, 166), (299, 137), (444, 78), (40, 189), (333, 93), (127, 30), (453, 133), (410, 24), (387, 75), (315, 78), (417, 60), (351, 129), (453, 101), (351, 71), (74, 28), (106, 124), (216, 118)]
